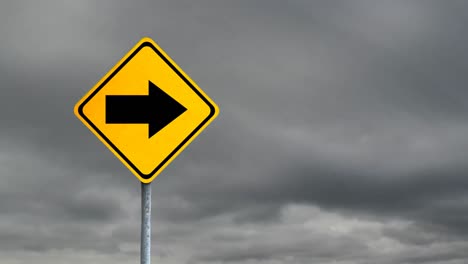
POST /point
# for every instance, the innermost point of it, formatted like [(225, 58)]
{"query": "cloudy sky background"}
[(342, 136)]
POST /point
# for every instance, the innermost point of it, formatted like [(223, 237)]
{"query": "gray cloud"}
[(355, 109)]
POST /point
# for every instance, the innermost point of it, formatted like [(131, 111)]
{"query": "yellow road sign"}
[(146, 110)]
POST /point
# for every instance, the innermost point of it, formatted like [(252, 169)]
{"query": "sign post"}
[(145, 245), (146, 110)]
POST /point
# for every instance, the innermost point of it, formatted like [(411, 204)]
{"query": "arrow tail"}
[(127, 109)]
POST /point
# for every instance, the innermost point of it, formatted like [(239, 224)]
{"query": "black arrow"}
[(157, 109)]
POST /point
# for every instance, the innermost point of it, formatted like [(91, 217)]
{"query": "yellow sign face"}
[(146, 110)]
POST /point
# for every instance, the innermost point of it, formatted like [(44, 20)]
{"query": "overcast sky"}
[(342, 136)]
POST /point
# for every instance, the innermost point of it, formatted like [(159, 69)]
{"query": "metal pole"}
[(145, 246)]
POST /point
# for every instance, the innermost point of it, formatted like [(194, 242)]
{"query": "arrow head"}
[(166, 108)]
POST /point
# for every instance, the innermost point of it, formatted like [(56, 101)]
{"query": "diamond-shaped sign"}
[(146, 110)]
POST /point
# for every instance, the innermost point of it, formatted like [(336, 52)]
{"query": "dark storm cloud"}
[(357, 107), (404, 107)]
